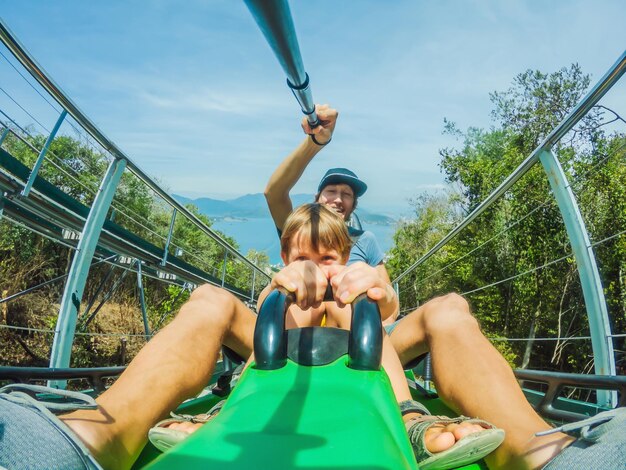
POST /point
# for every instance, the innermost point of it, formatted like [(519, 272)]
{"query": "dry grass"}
[(32, 348)]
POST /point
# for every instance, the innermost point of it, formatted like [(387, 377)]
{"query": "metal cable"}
[(502, 338), (22, 108), (27, 81), (519, 275), (533, 269), (49, 281), (45, 330), (50, 152), (507, 228), (56, 240), (580, 179), (77, 180)]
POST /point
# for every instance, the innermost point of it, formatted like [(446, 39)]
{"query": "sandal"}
[(469, 449), (164, 438)]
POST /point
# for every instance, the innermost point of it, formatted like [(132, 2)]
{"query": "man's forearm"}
[(291, 168), (285, 177)]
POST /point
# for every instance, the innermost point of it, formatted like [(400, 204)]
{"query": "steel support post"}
[(169, 238), (98, 291), (75, 285), (84, 324), (597, 313), (253, 282), (224, 268), (42, 155), (396, 288), (4, 135), (142, 301)]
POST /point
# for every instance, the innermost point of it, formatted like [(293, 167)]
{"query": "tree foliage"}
[(514, 262), (27, 259)]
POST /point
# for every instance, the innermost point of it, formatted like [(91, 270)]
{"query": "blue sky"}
[(192, 93)]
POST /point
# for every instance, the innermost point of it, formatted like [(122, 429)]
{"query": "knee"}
[(448, 314), (213, 302)]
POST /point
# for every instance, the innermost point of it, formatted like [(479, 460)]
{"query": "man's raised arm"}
[(291, 168)]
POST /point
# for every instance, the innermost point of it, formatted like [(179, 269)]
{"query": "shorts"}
[(31, 437), (390, 328), (600, 446)]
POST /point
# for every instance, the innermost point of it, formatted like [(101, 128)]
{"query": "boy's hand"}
[(328, 118), (358, 278), (304, 279)]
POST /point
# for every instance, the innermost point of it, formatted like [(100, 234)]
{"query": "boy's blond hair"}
[(321, 225)]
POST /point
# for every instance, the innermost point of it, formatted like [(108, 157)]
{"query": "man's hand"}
[(305, 280), (328, 118)]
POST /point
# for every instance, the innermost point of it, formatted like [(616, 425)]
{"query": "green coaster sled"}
[(315, 398)]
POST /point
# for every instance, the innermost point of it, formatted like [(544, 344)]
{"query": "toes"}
[(464, 429), (451, 427), (184, 426), (438, 440)]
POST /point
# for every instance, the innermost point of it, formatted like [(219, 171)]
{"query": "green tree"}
[(524, 230)]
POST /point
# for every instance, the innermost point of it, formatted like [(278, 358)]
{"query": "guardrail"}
[(95, 233), (582, 249)]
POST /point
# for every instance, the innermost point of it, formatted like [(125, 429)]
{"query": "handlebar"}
[(365, 341)]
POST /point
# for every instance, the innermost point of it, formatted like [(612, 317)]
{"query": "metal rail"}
[(557, 381), (95, 375), (48, 217), (39, 74), (582, 249)]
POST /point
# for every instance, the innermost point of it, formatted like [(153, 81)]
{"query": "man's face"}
[(339, 197), (301, 250)]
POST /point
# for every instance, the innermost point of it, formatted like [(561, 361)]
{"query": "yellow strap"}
[(323, 321)]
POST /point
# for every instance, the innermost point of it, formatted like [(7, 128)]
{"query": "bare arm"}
[(291, 168), (382, 272), (285, 177)]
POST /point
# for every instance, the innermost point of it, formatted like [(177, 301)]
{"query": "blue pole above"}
[(274, 19)]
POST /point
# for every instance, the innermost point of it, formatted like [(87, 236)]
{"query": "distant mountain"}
[(254, 206)]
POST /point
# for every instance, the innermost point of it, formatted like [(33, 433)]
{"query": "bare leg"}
[(175, 365), (437, 438), (475, 380)]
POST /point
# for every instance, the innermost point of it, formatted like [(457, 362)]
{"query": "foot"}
[(171, 431), (440, 437), (442, 443), (184, 426)]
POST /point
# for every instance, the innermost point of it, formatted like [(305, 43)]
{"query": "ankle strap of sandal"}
[(412, 406)]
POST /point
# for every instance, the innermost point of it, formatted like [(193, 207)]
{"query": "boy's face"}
[(301, 250)]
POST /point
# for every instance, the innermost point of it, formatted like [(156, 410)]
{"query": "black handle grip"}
[(270, 339), (365, 344)]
